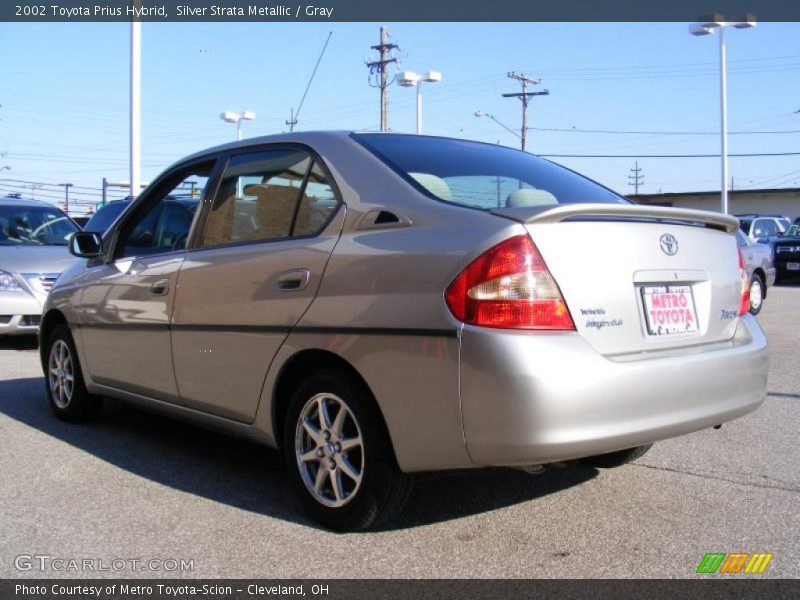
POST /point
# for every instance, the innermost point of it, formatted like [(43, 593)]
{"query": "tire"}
[(756, 294), (341, 463), (66, 391), (616, 459)]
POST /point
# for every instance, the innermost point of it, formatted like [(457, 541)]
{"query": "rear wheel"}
[(616, 459), (756, 294), (339, 455), (66, 391)]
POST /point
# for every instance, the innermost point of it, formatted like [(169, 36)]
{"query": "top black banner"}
[(396, 10)]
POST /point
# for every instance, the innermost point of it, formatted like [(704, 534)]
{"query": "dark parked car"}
[(174, 211), (787, 253)]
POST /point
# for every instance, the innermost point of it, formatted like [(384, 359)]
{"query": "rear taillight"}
[(509, 286), (744, 302)]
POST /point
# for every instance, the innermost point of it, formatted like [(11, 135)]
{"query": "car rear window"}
[(481, 175)]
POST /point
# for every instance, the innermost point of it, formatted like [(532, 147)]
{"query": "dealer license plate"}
[(669, 310), (793, 266)]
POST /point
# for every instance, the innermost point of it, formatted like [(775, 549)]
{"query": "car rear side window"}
[(481, 175), (270, 195)]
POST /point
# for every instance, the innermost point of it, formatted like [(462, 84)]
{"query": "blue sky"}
[(64, 94)]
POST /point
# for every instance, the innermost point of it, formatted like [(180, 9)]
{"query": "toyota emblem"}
[(669, 244)]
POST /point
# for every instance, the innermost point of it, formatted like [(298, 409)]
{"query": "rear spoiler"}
[(618, 212)]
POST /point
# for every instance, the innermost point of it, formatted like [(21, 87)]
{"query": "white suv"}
[(760, 228)]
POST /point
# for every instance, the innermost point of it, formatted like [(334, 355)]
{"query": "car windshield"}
[(34, 226), (793, 230), (481, 175)]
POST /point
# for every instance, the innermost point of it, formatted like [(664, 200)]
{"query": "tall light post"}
[(412, 79), (707, 27), (233, 117), (480, 113), (136, 106)]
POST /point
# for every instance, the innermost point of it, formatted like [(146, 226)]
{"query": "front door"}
[(126, 311)]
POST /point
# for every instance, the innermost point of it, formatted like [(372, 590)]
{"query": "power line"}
[(293, 119), (616, 131), (750, 155)]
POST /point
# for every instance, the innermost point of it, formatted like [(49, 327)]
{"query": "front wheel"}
[(66, 391), (756, 295), (339, 455)]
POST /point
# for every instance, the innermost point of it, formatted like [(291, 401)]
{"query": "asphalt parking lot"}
[(135, 485)]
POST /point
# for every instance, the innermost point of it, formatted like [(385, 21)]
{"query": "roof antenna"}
[(293, 118)]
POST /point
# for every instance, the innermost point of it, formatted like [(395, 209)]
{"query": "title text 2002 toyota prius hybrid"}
[(377, 305)]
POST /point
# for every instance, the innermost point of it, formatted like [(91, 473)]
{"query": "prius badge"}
[(669, 244)]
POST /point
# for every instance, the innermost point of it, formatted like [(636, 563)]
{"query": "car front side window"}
[(163, 221)]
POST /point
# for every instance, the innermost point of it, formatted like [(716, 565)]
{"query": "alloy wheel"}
[(329, 450), (61, 374)]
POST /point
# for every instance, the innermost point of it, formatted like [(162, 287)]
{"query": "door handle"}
[(160, 288), (294, 280)]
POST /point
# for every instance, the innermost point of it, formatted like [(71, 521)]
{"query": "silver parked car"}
[(378, 305), (759, 263), (33, 252)]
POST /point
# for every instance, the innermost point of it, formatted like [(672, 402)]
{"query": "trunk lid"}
[(640, 279)]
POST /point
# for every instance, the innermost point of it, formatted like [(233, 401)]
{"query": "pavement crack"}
[(788, 487), (782, 395)]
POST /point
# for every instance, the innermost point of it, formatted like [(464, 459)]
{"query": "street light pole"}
[(135, 116), (412, 79), (233, 117), (723, 111), (480, 113), (707, 27)]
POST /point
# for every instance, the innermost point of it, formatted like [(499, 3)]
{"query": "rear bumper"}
[(533, 397), (20, 313)]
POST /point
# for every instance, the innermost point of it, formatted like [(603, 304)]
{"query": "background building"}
[(785, 201)]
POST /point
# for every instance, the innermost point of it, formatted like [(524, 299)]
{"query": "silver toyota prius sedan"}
[(377, 305)]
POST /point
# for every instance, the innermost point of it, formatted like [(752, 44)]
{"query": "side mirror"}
[(86, 244)]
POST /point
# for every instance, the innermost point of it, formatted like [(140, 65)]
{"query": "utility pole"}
[(66, 187), (105, 188), (379, 67), (524, 97), (636, 179), (292, 121)]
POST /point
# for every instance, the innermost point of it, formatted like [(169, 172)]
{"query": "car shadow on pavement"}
[(251, 477), (19, 342)]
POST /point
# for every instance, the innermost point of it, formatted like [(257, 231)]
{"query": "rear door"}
[(126, 310), (271, 227)]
